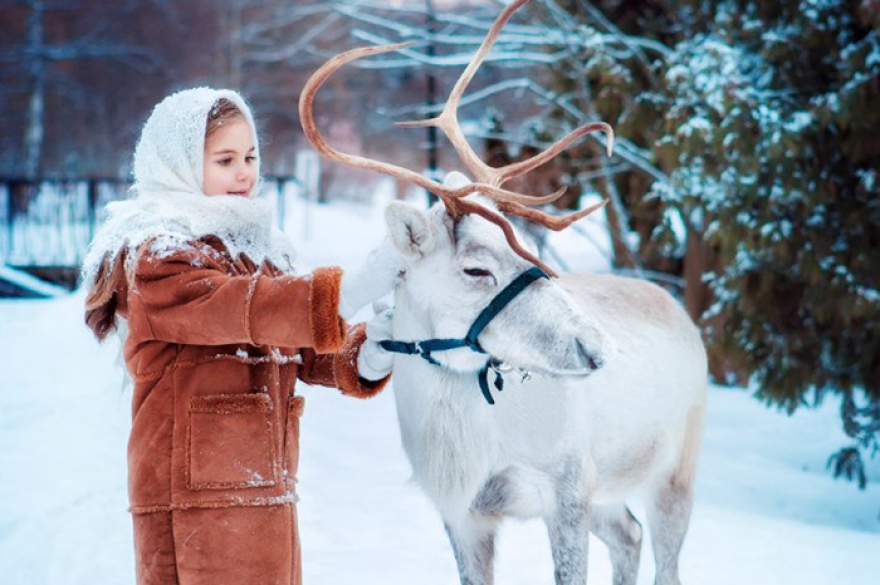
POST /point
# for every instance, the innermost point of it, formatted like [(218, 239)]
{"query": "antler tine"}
[(310, 127), (553, 222), (520, 168), (504, 196), (447, 121), (488, 179)]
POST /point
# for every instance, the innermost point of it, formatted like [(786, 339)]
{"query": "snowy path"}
[(767, 512)]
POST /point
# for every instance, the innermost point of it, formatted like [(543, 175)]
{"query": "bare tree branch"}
[(285, 53), (460, 59), (569, 33), (132, 55), (255, 30), (531, 36)]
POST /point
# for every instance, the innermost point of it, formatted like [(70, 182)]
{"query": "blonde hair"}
[(103, 297), (222, 111)]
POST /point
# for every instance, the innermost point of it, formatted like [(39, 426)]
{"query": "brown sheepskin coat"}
[(215, 346)]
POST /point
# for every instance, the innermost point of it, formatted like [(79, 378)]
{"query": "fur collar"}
[(175, 219)]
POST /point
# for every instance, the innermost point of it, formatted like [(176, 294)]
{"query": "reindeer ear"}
[(456, 180), (409, 229)]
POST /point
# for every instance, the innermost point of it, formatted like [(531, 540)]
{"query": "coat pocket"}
[(229, 442), (291, 437)]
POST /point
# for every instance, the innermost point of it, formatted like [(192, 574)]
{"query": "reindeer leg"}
[(668, 515), (669, 509), (569, 528), (621, 532), (473, 543)]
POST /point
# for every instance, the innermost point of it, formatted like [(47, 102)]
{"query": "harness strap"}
[(503, 299), (424, 348), (483, 378)]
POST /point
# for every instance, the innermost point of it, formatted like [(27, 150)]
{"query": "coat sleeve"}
[(188, 297), (339, 370)]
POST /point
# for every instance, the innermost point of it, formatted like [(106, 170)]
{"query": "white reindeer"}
[(566, 448), (616, 397)]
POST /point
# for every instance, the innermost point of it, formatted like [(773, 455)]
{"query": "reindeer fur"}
[(570, 449)]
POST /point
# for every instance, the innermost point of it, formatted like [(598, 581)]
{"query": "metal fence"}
[(50, 222)]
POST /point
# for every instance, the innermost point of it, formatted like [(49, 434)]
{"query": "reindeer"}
[(604, 377)]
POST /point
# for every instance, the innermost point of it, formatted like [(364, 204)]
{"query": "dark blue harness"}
[(425, 348)]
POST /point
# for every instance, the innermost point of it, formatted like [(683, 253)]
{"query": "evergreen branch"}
[(848, 463)]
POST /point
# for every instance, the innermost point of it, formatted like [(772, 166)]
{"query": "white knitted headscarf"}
[(168, 203)]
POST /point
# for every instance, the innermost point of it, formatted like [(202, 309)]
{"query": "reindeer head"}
[(457, 249), (454, 269)]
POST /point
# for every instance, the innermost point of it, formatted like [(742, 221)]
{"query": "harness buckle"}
[(425, 353)]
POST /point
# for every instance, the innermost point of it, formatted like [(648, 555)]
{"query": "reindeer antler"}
[(488, 180)]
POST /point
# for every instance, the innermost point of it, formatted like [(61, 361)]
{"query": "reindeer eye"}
[(477, 272)]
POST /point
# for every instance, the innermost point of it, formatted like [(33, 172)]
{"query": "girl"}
[(218, 330)]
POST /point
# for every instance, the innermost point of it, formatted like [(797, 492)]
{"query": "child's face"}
[(230, 167)]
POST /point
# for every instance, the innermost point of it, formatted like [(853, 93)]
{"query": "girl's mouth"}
[(239, 193)]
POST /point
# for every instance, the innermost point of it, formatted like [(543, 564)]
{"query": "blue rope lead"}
[(483, 377)]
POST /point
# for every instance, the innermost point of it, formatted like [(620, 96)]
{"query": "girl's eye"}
[(477, 272), (224, 161), (250, 159)]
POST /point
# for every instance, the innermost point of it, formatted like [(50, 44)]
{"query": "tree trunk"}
[(694, 267), (235, 45), (35, 131), (618, 222), (697, 297)]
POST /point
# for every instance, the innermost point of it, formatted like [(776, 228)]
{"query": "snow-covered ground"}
[(766, 512)]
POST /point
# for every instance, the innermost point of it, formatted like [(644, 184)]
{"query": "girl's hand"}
[(374, 363)]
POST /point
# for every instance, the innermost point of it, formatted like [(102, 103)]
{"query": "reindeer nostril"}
[(591, 360)]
